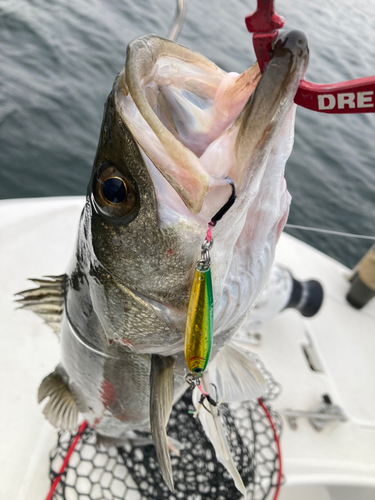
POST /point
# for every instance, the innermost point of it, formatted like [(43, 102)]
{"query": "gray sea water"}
[(59, 58)]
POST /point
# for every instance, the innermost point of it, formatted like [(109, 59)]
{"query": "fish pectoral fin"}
[(46, 301), (161, 401), (214, 429), (235, 373), (61, 408)]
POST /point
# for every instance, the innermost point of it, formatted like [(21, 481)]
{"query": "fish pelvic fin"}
[(61, 409), (161, 401), (46, 301), (235, 373)]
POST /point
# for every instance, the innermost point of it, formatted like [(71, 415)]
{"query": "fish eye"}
[(114, 190), (115, 194)]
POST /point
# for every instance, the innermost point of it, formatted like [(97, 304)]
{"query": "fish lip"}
[(265, 112)]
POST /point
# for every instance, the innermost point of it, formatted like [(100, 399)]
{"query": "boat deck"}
[(37, 238)]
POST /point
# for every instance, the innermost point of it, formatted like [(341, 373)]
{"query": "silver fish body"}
[(174, 126)]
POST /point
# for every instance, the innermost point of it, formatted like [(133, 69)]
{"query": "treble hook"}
[(195, 382)]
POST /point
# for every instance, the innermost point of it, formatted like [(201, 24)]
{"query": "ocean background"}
[(59, 58)]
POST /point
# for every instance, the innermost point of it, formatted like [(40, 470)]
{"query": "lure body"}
[(199, 325)]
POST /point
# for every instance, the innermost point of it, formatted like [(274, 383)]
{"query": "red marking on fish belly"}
[(197, 357), (127, 343), (107, 393), (170, 252)]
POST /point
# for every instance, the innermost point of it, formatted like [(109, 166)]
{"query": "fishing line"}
[(64, 465), (278, 447), (223, 210), (178, 20), (329, 231)]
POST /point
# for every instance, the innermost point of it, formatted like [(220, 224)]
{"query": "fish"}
[(175, 126)]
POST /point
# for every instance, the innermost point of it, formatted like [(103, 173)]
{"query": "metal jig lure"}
[(199, 325)]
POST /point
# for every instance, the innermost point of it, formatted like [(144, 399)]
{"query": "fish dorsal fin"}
[(161, 401), (236, 375), (213, 427), (61, 408), (46, 301)]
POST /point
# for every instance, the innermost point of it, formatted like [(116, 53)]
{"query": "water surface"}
[(59, 58)]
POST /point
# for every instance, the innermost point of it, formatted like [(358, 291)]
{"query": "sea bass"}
[(174, 127)]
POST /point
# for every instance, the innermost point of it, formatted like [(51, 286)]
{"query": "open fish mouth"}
[(176, 125), (197, 124)]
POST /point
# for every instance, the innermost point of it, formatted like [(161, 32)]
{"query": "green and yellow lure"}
[(199, 326)]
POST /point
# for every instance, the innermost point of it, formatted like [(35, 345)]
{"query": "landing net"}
[(132, 472)]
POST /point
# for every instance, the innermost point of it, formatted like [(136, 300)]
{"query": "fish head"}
[(175, 127)]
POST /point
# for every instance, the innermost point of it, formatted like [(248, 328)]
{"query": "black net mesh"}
[(132, 472)]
